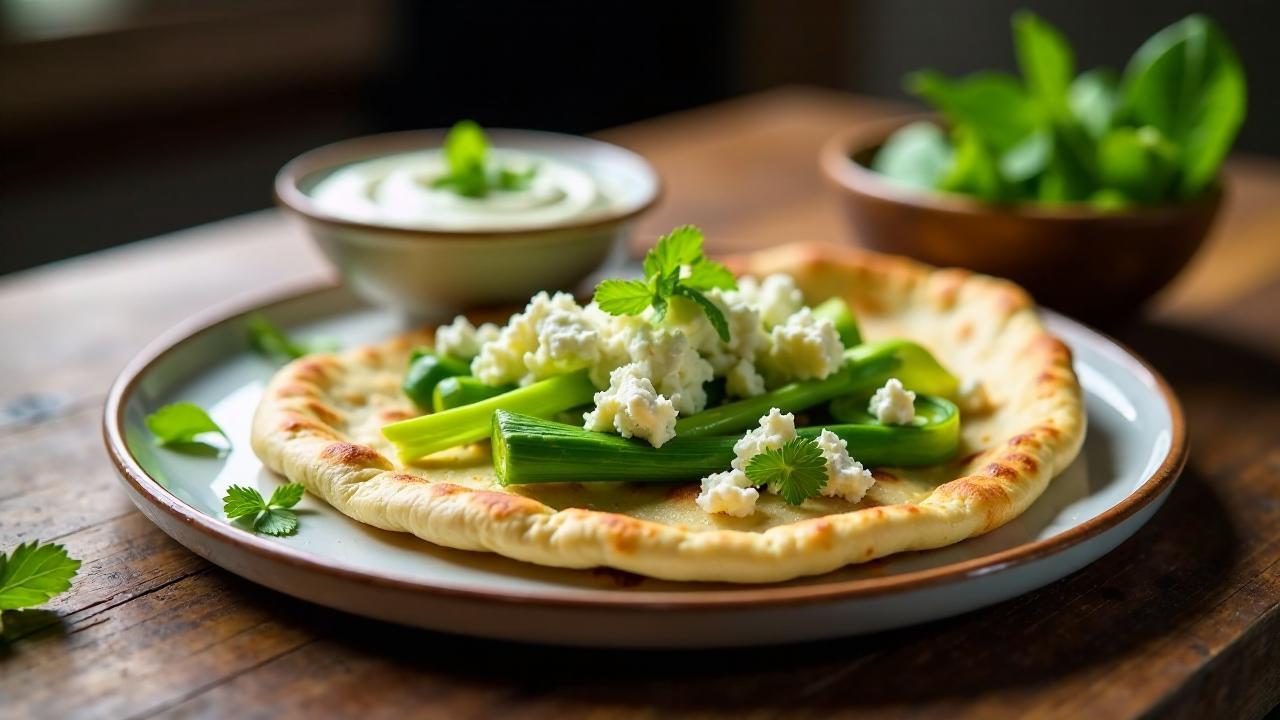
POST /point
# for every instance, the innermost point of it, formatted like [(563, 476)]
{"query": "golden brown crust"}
[(319, 419)]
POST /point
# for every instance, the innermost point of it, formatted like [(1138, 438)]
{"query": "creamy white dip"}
[(397, 190)]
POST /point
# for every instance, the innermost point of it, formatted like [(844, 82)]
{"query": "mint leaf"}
[(178, 425), (797, 471), (712, 311), (33, 573), (1045, 58), (466, 153), (706, 275), (1187, 82), (993, 105), (623, 297), (1093, 98), (917, 155), (682, 246), (268, 517), (509, 179), (466, 148)]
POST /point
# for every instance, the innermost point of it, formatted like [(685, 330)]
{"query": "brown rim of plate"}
[(747, 596), (842, 171), (326, 157)]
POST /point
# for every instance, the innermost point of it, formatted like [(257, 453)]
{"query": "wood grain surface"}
[(1183, 620)]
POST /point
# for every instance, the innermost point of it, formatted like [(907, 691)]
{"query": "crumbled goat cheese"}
[(804, 347), (518, 355), (774, 431), (632, 407), (776, 298), (974, 399), (728, 492), (743, 380), (893, 405), (676, 369), (846, 478), (566, 342), (462, 340), (746, 337)]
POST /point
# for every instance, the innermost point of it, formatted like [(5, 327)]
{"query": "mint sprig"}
[(675, 267), (270, 517), (797, 471), (466, 152)]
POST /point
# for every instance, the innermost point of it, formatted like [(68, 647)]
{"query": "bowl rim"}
[(289, 197), (841, 170)]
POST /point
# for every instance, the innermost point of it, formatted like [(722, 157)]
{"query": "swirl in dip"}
[(396, 190)]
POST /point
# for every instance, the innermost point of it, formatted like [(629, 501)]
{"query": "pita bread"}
[(318, 423)]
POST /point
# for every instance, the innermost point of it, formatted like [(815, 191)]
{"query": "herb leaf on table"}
[(33, 573)]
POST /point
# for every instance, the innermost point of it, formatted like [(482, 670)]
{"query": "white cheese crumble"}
[(846, 478), (677, 370), (731, 493), (632, 407), (743, 380), (804, 347), (973, 397), (462, 340), (550, 337), (746, 338), (566, 342), (728, 492), (776, 297), (892, 404)]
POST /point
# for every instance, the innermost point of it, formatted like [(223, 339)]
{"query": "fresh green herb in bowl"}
[(1157, 133), (1090, 190)]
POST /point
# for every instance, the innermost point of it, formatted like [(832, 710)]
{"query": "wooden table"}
[(1183, 620)]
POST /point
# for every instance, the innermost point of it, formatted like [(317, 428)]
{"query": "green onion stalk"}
[(533, 450), (865, 368), (469, 423)]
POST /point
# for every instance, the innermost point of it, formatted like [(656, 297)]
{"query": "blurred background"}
[(123, 119)]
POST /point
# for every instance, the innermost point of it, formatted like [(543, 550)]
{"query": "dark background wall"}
[(147, 116)]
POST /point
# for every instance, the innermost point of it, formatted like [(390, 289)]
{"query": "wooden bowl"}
[(1098, 266)]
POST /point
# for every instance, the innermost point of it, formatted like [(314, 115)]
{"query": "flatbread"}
[(318, 423)]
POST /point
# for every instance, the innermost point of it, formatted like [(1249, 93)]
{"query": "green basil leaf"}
[(974, 170), (1028, 158), (1045, 58), (917, 155), (995, 105), (1187, 82), (1094, 97), (1140, 163)]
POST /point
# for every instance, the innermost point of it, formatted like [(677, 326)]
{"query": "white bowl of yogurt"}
[(373, 207)]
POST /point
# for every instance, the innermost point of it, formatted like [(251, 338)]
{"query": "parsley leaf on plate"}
[(270, 517), (675, 267), (796, 471), (268, 340), (178, 427), (33, 573)]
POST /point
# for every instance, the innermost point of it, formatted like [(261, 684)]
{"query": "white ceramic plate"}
[(1135, 448)]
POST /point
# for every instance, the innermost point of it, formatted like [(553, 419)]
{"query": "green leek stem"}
[(467, 424), (533, 450)]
